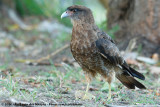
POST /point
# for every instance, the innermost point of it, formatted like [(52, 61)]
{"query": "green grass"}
[(50, 83)]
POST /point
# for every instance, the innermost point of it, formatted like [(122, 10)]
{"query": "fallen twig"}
[(53, 54), (39, 61)]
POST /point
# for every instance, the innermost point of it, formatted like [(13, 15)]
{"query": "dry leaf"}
[(155, 56), (93, 89), (157, 94), (25, 81), (73, 81), (7, 71)]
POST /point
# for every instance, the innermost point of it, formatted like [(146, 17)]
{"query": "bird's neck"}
[(83, 34), (82, 25)]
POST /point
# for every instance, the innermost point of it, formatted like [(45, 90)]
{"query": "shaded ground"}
[(57, 83)]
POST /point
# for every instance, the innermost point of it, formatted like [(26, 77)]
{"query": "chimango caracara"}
[(96, 52)]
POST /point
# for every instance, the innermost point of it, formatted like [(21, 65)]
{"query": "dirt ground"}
[(57, 83)]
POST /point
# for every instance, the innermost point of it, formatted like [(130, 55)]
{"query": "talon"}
[(88, 96), (84, 96)]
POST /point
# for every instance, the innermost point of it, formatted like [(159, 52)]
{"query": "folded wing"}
[(108, 50)]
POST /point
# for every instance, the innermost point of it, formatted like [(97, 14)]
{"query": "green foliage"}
[(110, 32), (29, 7), (47, 8)]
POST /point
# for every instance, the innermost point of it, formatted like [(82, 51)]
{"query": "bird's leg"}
[(109, 94), (85, 95), (88, 82), (109, 80), (88, 96)]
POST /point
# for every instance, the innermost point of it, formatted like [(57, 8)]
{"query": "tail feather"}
[(137, 74), (125, 81), (132, 71), (126, 77), (129, 81)]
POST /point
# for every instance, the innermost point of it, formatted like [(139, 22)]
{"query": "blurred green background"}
[(54, 9)]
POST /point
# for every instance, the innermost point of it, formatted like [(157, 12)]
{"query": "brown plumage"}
[(96, 52)]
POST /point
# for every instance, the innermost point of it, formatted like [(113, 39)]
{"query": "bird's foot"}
[(88, 96), (109, 98), (84, 95)]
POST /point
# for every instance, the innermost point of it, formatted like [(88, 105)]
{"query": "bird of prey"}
[(96, 52)]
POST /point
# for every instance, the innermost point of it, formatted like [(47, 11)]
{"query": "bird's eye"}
[(75, 10)]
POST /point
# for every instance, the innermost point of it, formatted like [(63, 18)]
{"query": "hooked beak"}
[(66, 14)]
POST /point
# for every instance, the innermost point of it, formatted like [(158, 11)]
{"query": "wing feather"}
[(109, 51)]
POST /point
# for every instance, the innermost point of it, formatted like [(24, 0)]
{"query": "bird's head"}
[(79, 13)]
